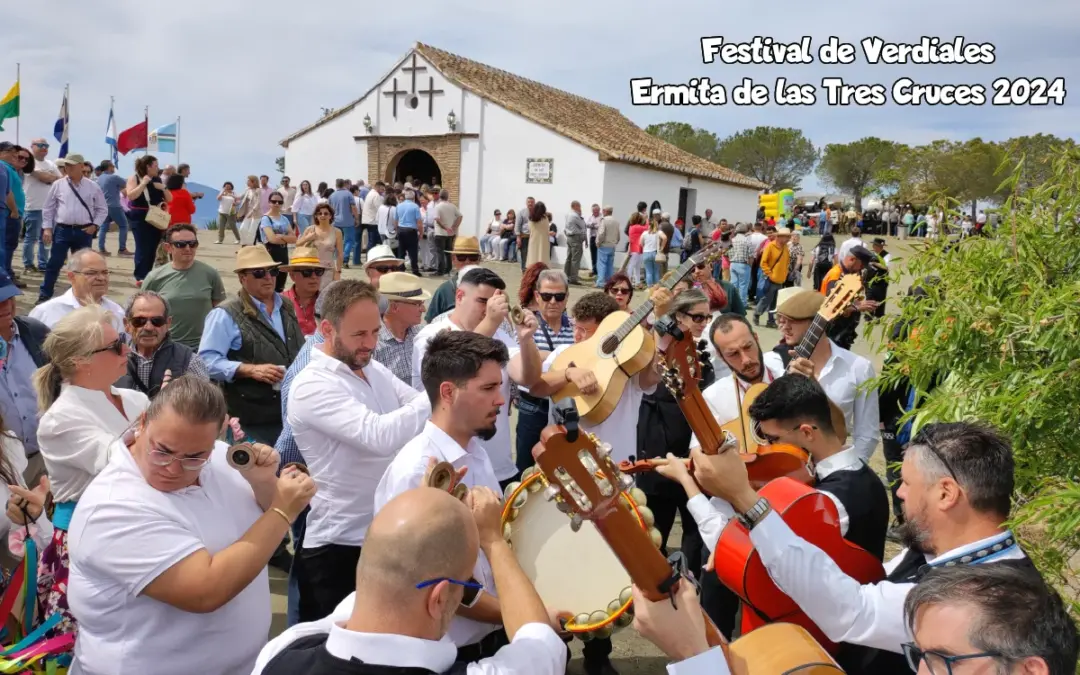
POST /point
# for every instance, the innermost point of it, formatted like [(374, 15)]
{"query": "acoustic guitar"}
[(586, 483), (813, 517), (618, 350)]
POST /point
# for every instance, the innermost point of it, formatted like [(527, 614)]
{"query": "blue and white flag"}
[(60, 129), (110, 138), (163, 139)]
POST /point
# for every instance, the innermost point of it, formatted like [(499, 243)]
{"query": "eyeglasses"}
[(116, 347), (383, 269), (22, 158), (937, 663), (320, 214), (159, 457), (193, 243), (140, 321), (41, 145), (548, 297), (700, 266), (307, 274), (621, 290), (472, 588), (263, 273), (773, 440), (696, 318), (467, 258), (276, 201), (94, 274)]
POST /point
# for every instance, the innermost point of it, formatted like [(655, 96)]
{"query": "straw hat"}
[(381, 253), (304, 257), (253, 258), (402, 286), (70, 159), (798, 303), (466, 246), (783, 232)]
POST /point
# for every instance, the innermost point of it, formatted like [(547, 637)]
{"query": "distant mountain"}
[(205, 208)]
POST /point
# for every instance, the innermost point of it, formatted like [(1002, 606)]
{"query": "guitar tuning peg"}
[(551, 492), (604, 450), (561, 505), (576, 522), (626, 481)]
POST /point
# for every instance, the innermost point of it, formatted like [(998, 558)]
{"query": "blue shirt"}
[(221, 335), (408, 214), (18, 400), (286, 446), (111, 185), (5, 188), (279, 226), (342, 203)]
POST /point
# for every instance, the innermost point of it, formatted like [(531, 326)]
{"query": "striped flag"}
[(60, 129), (9, 105), (163, 139), (110, 138)]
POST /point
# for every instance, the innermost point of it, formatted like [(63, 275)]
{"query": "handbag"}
[(158, 217)]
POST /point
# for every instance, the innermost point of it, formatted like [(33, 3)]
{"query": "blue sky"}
[(243, 76)]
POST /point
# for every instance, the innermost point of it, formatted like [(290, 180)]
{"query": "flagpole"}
[(146, 148), (177, 140), (18, 83)]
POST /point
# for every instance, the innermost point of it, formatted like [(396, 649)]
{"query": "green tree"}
[(1037, 153), (685, 137), (860, 167), (776, 156), (280, 162), (1002, 324)]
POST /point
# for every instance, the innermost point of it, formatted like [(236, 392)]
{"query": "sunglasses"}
[(773, 440), (320, 214), (700, 266), (140, 321), (41, 145), (307, 274), (383, 269), (22, 158), (696, 318), (619, 290), (263, 273), (472, 588), (467, 258), (276, 201), (184, 244), (548, 297), (116, 347)]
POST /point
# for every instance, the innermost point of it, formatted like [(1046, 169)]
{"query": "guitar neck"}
[(810, 341), (643, 310)]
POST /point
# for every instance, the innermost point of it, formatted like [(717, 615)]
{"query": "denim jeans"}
[(302, 222), (348, 235), (740, 277), (33, 234), (767, 299), (652, 270), (373, 238), (509, 250), (65, 240), (147, 239), (605, 264), (532, 419), (11, 242), (116, 215)]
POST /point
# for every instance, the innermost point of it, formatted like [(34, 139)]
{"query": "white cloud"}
[(243, 75)]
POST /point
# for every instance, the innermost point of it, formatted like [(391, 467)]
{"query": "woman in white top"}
[(491, 241), (386, 219), (170, 543), (227, 213), (304, 206), (651, 243), (249, 212), (82, 415)]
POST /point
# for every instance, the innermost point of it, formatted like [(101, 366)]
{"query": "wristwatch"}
[(755, 513)]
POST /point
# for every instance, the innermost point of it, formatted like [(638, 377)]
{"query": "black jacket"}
[(33, 333)]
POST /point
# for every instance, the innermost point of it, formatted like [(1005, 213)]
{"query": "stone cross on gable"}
[(413, 70), (394, 94), (430, 92)]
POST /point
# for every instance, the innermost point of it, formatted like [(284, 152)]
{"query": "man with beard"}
[(957, 485), (350, 416), (462, 376)]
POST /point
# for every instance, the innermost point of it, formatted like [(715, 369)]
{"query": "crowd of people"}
[(120, 425)]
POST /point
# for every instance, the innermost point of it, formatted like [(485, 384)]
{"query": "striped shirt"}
[(396, 354), (740, 249), (548, 341)]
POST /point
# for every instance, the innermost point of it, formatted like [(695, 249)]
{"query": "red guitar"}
[(812, 516), (588, 485)]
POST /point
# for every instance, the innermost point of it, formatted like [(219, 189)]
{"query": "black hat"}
[(879, 241), (865, 256)]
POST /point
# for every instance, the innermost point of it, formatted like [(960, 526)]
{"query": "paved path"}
[(632, 655)]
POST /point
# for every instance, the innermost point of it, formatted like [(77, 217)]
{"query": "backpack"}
[(824, 255)]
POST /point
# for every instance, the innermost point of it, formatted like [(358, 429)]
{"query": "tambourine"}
[(443, 477), (241, 456)]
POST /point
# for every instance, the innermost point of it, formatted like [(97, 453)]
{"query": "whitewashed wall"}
[(328, 152)]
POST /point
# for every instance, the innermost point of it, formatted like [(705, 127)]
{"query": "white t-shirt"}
[(387, 218), (498, 449), (225, 204), (848, 246), (37, 191), (125, 534), (620, 427), (650, 242)]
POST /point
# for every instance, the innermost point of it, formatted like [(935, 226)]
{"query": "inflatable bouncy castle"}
[(778, 204)]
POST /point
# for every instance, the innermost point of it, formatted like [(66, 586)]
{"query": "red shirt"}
[(635, 237), (305, 316), (182, 206)]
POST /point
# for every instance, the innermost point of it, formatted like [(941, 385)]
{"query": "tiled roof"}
[(589, 123)]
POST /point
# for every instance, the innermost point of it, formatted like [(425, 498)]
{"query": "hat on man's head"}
[(8, 289), (402, 286), (304, 257), (253, 258), (70, 159), (466, 246), (863, 254), (783, 232), (382, 253), (798, 303), (879, 241), (656, 212)]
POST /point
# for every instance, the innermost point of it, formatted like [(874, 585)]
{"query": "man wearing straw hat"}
[(249, 341), (401, 322), (466, 252), (306, 271)]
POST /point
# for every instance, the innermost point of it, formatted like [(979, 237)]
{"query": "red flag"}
[(134, 138)]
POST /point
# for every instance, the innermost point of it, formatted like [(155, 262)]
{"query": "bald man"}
[(414, 573)]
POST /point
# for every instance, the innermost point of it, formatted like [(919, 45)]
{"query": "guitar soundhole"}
[(610, 344)]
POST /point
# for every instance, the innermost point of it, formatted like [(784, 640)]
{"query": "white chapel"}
[(493, 138)]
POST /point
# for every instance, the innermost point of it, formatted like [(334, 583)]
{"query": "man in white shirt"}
[(88, 274), (957, 485), (369, 216), (350, 416), (462, 377), (853, 241), (288, 193), (37, 185), (411, 580), (480, 306), (840, 372)]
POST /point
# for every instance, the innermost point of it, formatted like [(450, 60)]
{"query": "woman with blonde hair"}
[(248, 212), (539, 230), (82, 414)]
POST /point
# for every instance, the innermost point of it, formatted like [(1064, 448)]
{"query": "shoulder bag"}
[(155, 215)]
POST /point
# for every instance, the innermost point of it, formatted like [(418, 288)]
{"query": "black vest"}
[(171, 356), (867, 504), (257, 403), (308, 656)]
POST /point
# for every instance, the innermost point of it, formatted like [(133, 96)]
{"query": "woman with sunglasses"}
[(620, 288), (304, 206), (168, 574), (144, 191), (276, 233), (723, 296), (327, 240), (82, 416)]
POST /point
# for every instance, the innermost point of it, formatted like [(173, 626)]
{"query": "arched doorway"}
[(418, 164)]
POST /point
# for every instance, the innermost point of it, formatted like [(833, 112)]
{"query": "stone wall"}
[(384, 152)]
